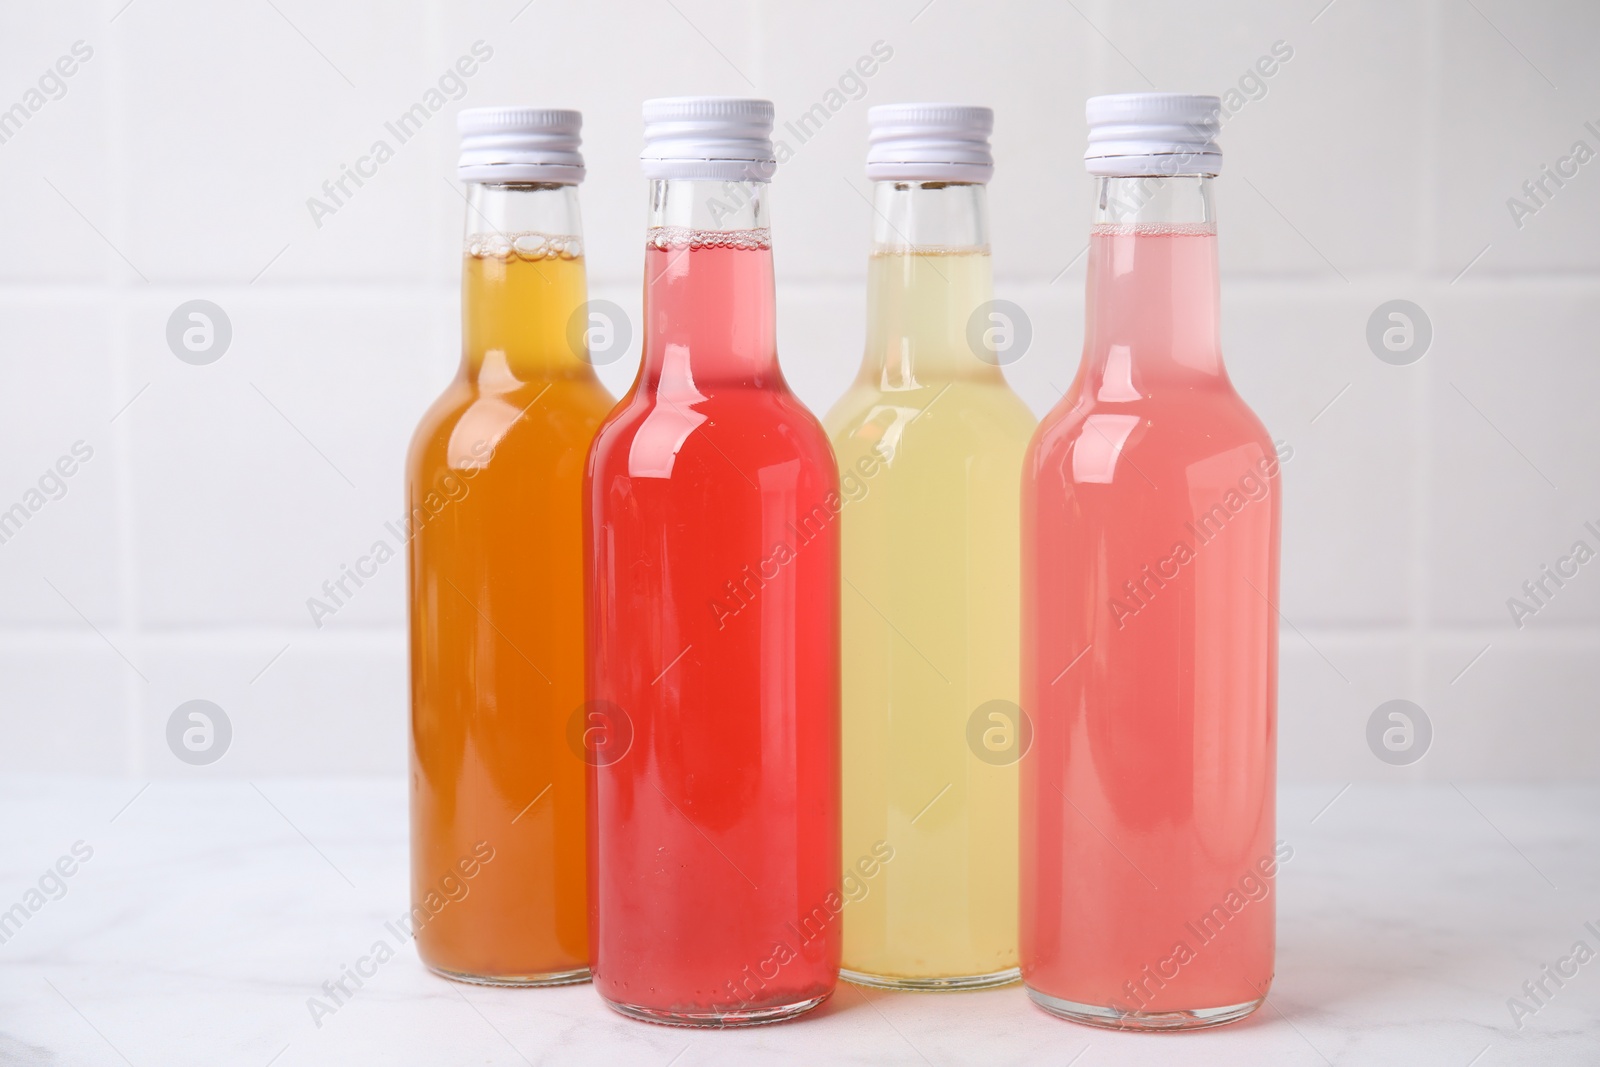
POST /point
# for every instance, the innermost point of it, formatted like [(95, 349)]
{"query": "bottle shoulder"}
[(466, 425), (1197, 414), (734, 432), (964, 414), (1170, 438)]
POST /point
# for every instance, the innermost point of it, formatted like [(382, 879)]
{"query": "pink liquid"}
[(1148, 795), (714, 628)]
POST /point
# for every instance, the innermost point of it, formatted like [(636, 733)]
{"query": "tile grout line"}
[(127, 628), (406, 291), (1421, 522)]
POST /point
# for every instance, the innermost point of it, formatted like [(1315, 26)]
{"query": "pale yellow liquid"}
[(930, 627)]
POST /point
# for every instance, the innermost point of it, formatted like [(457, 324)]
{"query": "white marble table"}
[(211, 911)]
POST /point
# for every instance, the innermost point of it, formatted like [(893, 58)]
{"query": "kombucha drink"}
[(930, 441), (712, 522), (1150, 575), (494, 497)]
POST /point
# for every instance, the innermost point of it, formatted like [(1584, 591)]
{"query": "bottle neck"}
[(523, 287), (709, 303), (1153, 315), (929, 277)]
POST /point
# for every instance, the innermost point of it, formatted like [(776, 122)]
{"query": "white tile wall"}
[(232, 120), (48, 165), (62, 394), (1506, 403), (1373, 164), (1298, 353), (65, 706), (301, 426), (1514, 97), (299, 703)]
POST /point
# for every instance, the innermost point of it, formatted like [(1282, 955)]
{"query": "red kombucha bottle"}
[(1150, 571), (712, 526)]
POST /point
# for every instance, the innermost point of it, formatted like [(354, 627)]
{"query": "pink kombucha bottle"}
[(1149, 634)]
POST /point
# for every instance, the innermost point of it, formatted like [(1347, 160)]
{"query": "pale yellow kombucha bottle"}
[(930, 442)]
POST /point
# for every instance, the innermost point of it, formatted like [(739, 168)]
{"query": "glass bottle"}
[(494, 521), (712, 523), (1150, 570), (930, 441)]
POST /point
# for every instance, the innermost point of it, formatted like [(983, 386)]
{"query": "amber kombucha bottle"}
[(494, 498)]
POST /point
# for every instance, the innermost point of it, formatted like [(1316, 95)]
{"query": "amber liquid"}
[(494, 492)]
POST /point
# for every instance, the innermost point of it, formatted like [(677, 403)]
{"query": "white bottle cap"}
[(929, 143), (1133, 134), (520, 144), (709, 138)]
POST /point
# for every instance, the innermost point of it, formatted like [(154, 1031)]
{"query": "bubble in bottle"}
[(531, 246)]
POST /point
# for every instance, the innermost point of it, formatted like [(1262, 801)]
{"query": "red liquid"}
[(712, 530), (1147, 798)]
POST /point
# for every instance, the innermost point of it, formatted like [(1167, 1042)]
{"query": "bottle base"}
[(1111, 1019), (572, 977), (932, 985), (718, 1020)]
